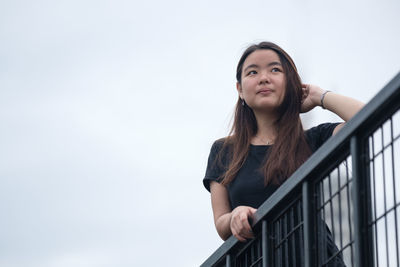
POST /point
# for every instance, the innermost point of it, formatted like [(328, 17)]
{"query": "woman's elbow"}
[(224, 236), (223, 230)]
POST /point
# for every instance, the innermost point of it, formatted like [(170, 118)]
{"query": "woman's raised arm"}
[(343, 106)]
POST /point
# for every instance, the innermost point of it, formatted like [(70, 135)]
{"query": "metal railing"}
[(341, 207)]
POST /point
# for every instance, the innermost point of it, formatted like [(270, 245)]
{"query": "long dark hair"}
[(290, 148)]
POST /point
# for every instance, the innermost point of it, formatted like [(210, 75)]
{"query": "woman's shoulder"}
[(220, 143), (217, 162), (319, 134), (221, 150), (322, 128)]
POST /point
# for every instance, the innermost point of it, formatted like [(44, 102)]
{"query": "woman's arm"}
[(228, 222), (343, 106)]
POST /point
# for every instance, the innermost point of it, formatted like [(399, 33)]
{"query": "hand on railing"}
[(240, 225)]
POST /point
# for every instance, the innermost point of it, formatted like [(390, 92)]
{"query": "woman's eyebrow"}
[(274, 63), (250, 67)]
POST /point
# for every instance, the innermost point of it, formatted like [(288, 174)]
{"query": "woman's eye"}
[(252, 72), (276, 70)]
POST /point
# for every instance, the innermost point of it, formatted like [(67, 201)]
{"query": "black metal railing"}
[(341, 207)]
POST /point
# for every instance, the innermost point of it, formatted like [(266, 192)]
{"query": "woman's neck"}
[(266, 132)]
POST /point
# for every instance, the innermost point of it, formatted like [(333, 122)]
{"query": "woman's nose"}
[(264, 77)]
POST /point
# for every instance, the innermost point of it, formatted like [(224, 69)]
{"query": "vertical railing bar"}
[(362, 241), (321, 241), (245, 256), (281, 243), (331, 206), (331, 193), (274, 249), (349, 212), (251, 252), (293, 234), (254, 251), (309, 215), (384, 194), (320, 202), (257, 249), (300, 235), (394, 192), (323, 198), (375, 216), (264, 245), (228, 260), (285, 242), (340, 209)]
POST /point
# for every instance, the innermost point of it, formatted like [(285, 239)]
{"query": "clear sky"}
[(108, 110)]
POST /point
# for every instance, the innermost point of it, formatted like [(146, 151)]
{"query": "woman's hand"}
[(311, 97), (240, 225)]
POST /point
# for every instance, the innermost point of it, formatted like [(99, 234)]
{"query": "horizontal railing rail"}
[(341, 207)]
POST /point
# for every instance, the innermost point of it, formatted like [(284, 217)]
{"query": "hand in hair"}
[(240, 225), (311, 97)]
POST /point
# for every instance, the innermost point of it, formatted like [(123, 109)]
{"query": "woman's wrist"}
[(316, 94), (323, 98)]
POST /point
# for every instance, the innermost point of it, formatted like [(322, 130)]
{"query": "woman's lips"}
[(264, 91)]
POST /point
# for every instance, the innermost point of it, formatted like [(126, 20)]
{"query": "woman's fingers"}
[(244, 229), (242, 234), (306, 91), (239, 237), (240, 225)]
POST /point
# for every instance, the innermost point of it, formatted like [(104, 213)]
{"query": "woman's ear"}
[(239, 89)]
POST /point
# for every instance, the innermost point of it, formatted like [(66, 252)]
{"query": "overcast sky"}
[(108, 110)]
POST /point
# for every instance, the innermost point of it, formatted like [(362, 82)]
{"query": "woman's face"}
[(263, 81)]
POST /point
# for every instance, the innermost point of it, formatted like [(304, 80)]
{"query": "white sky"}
[(108, 110)]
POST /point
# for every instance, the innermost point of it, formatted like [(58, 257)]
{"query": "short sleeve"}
[(318, 135), (215, 166)]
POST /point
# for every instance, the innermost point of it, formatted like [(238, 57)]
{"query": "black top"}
[(247, 189)]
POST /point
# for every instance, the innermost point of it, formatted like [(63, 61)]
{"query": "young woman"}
[(267, 142)]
